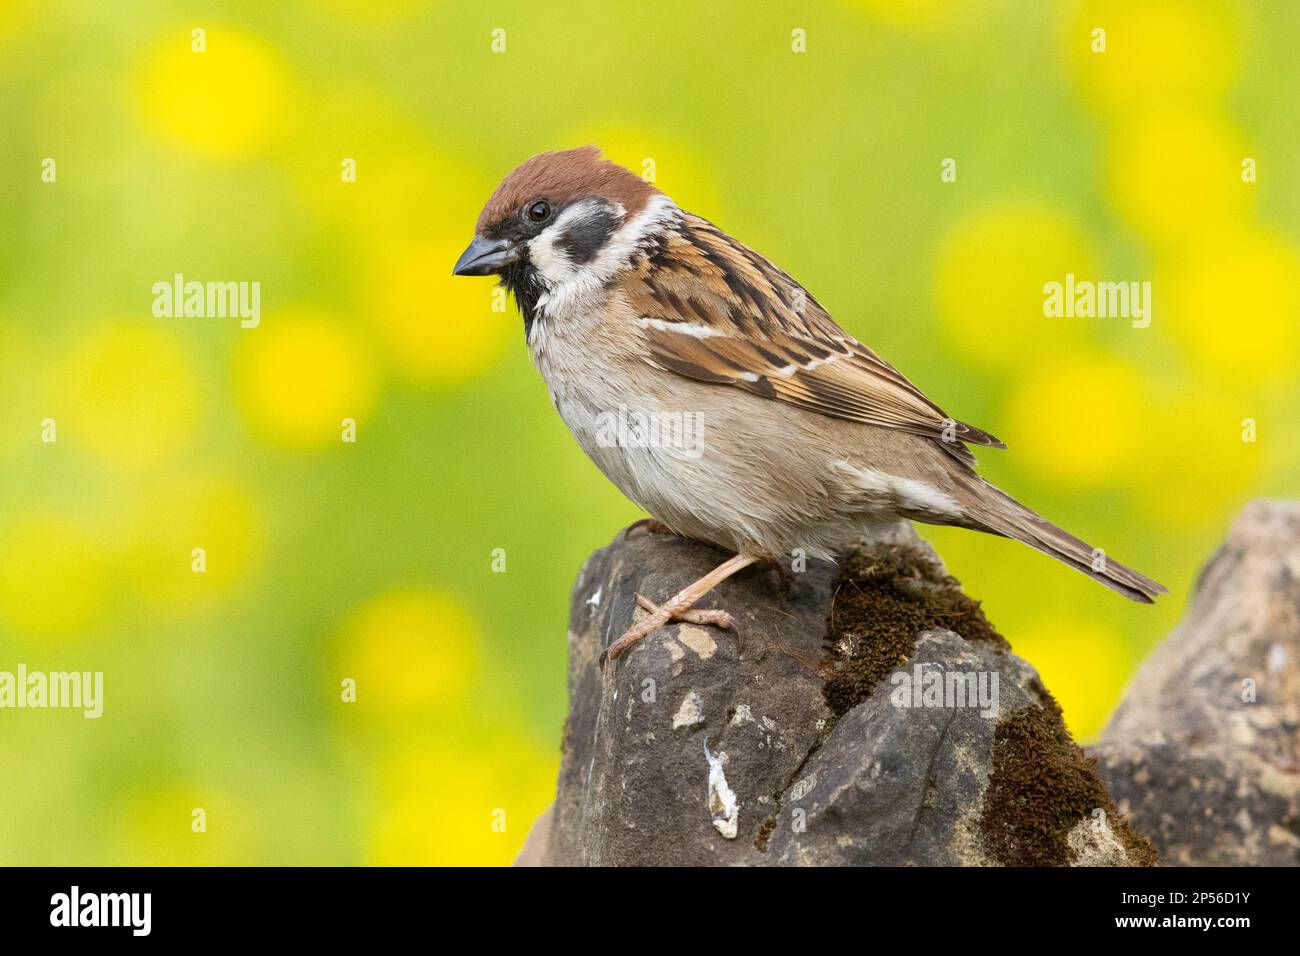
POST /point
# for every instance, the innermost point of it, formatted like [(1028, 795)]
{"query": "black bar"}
[(543, 907)]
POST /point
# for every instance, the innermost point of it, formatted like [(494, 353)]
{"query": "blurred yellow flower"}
[(54, 577), (1176, 176), (1157, 53), (1079, 419), (438, 328), (402, 188), (157, 828), (23, 390), (223, 102), (471, 806), (14, 16), (1085, 665), (409, 214), (410, 650), (914, 14), (673, 166), (300, 374), (133, 395), (989, 278), (1196, 470), (170, 519), (1234, 306), (129, 157)]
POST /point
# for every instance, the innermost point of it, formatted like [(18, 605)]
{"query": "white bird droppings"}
[(723, 805)]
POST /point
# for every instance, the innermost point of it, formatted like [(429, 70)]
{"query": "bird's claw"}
[(661, 614)]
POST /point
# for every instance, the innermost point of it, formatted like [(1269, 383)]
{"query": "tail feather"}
[(997, 512)]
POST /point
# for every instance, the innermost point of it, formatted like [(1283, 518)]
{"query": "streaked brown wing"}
[(716, 311)]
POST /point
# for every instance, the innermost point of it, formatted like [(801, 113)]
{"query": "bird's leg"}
[(679, 607)]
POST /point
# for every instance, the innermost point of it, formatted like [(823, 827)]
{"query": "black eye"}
[(539, 211)]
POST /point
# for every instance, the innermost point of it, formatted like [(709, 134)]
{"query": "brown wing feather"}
[(716, 311)]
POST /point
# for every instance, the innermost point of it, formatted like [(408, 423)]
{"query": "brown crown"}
[(561, 177)]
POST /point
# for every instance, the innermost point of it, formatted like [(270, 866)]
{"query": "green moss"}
[(883, 600)]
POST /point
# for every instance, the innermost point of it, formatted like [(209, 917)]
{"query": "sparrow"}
[(637, 311)]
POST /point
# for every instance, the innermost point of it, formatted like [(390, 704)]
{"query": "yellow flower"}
[(671, 165), (15, 15), (1195, 470), (438, 327), (410, 213), (402, 188), (920, 15), (156, 828), (300, 374), (173, 517), (223, 102), (1079, 419), (989, 278), (1234, 306), (133, 398), (1176, 176), (1157, 53), (410, 650), (461, 806), (25, 394)]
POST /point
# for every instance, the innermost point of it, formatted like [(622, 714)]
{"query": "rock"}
[(1203, 753), (534, 848), (828, 730)]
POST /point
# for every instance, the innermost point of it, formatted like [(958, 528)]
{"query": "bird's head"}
[(554, 219)]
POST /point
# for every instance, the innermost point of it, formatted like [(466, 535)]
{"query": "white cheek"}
[(576, 288), (551, 264)]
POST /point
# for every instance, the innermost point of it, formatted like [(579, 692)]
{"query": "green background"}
[(373, 560)]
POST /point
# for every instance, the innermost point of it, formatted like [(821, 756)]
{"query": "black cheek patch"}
[(586, 238)]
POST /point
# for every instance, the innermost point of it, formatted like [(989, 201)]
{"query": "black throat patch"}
[(525, 285)]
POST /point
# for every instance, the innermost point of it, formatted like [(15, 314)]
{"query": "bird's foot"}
[(692, 615), (680, 606), (661, 614)]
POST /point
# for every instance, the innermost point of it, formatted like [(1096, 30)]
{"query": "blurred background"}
[(373, 560)]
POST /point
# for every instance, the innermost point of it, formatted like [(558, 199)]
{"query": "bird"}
[(719, 395)]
